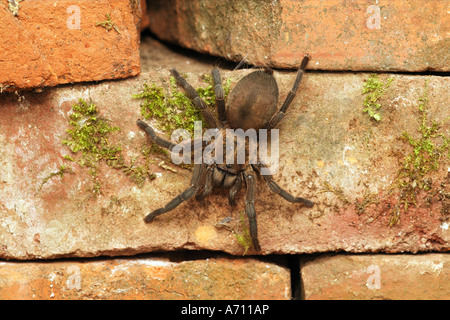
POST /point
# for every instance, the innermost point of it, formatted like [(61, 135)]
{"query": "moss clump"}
[(428, 151), (171, 112), (171, 108), (138, 173), (89, 140), (374, 89), (89, 133)]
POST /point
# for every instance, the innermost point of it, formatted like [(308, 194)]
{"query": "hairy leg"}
[(197, 178), (250, 179), (218, 89), (208, 184), (196, 100), (291, 95), (157, 139), (278, 190), (234, 190)]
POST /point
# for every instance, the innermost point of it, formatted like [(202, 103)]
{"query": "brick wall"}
[(377, 230)]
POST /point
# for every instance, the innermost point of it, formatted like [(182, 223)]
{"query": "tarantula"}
[(252, 104)]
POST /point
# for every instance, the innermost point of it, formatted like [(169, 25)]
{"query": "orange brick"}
[(48, 43), (386, 35), (144, 278)]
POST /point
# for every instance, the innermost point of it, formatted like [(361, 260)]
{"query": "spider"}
[(251, 104)]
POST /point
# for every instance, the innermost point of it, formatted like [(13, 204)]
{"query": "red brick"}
[(49, 43), (386, 35), (377, 276), (144, 278)]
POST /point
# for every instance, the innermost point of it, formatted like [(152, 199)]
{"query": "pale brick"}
[(377, 276)]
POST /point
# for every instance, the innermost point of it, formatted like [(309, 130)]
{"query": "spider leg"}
[(278, 190), (250, 179), (234, 190), (208, 185), (185, 195), (151, 132), (195, 98), (287, 102), (220, 96), (197, 178)]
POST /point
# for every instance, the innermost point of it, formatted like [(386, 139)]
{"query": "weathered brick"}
[(330, 152), (145, 278), (377, 276), (388, 35), (46, 42)]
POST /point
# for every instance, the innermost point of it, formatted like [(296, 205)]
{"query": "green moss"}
[(374, 89), (428, 150), (171, 108), (108, 24), (88, 134), (89, 140)]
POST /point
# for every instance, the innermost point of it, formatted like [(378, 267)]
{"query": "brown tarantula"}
[(252, 104)]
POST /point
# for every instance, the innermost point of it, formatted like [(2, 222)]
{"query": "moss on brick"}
[(89, 141), (374, 88), (428, 151), (172, 109)]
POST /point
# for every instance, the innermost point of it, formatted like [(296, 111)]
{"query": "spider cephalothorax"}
[(252, 104)]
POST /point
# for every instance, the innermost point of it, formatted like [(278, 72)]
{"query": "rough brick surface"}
[(326, 141), (53, 42), (341, 35), (378, 276), (145, 278)]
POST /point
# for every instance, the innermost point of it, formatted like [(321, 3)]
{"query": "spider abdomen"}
[(253, 101)]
